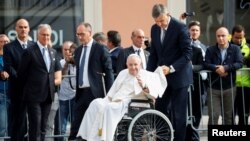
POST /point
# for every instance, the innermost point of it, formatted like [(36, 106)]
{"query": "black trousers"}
[(17, 126), (174, 105), (83, 99), (38, 113)]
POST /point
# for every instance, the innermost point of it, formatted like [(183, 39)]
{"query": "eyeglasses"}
[(80, 34), (140, 37), (4, 41), (45, 35)]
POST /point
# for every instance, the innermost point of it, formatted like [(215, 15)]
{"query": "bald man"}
[(223, 59), (12, 56), (137, 38)]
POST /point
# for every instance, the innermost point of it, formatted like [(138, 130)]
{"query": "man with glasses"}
[(93, 62)]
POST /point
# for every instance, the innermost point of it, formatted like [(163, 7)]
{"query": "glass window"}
[(242, 15), (62, 15), (211, 16)]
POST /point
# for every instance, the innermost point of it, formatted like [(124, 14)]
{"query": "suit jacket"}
[(37, 83), (175, 51), (233, 61), (197, 59), (123, 55), (100, 62), (12, 57), (114, 57)]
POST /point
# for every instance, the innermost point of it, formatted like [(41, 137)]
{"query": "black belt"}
[(85, 88)]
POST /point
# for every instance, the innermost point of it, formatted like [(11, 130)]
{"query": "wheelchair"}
[(143, 123)]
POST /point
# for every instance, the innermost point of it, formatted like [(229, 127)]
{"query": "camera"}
[(243, 53), (189, 14), (146, 42)]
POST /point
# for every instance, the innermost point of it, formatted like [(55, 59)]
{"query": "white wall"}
[(93, 14), (176, 7)]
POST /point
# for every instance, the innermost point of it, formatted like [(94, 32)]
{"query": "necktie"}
[(24, 46), (162, 35), (139, 54), (81, 66), (46, 58)]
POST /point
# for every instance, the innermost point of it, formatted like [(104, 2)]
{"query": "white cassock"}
[(105, 114)]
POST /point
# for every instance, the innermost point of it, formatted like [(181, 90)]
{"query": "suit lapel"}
[(92, 49), (39, 54), (168, 32), (146, 55), (51, 57), (78, 55), (130, 50)]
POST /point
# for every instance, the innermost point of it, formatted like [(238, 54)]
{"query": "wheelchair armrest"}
[(137, 105), (145, 101)]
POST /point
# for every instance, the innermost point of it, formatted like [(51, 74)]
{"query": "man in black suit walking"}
[(12, 56), (137, 38), (92, 62), (114, 46), (170, 48), (37, 70)]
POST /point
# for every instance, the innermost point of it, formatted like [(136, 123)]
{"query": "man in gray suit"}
[(36, 75)]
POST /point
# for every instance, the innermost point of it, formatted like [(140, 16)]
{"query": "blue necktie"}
[(24, 46), (138, 52), (81, 66)]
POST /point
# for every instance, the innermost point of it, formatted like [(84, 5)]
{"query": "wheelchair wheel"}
[(150, 125)]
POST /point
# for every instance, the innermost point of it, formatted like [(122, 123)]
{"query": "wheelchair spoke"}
[(151, 127)]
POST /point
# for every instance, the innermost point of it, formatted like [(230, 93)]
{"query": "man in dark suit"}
[(92, 62), (170, 48), (137, 38), (39, 65), (114, 45), (12, 56)]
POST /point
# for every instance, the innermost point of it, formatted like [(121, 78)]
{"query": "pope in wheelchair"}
[(103, 114)]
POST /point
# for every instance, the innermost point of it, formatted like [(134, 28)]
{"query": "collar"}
[(113, 49), (223, 48), (136, 48), (41, 46), (89, 44), (22, 42), (167, 24)]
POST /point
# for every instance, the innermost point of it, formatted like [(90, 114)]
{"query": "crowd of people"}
[(40, 93)]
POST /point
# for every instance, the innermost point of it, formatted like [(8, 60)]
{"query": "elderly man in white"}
[(103, 115)]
